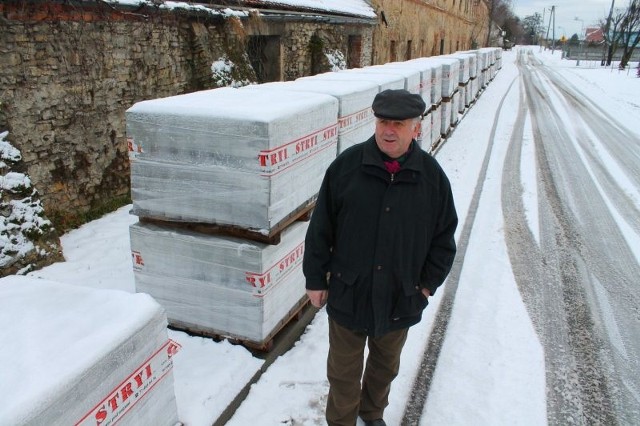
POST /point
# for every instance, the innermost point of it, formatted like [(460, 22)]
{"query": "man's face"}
[(394, 136)]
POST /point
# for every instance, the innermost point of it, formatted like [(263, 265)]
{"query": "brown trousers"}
[(348, 398)]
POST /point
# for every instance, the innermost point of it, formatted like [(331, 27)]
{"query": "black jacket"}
[(380, 238)]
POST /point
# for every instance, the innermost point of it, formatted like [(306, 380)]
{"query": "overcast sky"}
[(566, 11)]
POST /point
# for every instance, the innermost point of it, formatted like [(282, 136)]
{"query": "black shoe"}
[(376, 422)]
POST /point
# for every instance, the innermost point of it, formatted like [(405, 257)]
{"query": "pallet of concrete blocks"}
[(489, 69), (355, 117), (498, 59), (237, 159), (483, 67), (424, 89), (436, 95), (464, 82), (221, 286), (450, 76), (474, 72), (84, 356)]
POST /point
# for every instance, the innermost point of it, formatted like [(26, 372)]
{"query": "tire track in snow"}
[(422, 383)]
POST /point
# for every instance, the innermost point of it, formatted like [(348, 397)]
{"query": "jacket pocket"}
[(342, 288), (411, 302)]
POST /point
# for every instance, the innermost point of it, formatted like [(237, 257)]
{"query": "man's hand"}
[(426, 293), (318, 298)]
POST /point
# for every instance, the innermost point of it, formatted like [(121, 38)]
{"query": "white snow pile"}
[(22, 220), (336, 60), (171, 5), (223, 73)]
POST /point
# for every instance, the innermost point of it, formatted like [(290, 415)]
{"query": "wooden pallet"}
[(266, 345), (302, 213)]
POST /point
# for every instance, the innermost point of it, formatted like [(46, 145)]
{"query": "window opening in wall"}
[(442, 47), (264, 55), (355, 51), (316, 49), (407, 55), (392, 51), (422, 49)]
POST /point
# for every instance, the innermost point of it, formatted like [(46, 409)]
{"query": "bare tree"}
[(499, 11), (612, 35), (532, 26), (630, 32)]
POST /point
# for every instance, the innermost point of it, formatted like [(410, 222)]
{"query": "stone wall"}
[(297, 49), (69, 71)]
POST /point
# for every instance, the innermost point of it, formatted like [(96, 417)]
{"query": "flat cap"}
[(398, 105)]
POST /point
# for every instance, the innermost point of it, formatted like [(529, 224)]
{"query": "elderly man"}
[(380, 242)]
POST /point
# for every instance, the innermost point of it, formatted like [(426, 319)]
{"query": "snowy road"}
[(574, 259), (569, 197)]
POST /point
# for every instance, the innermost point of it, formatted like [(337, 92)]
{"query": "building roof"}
[(593, 35), (357, 8)]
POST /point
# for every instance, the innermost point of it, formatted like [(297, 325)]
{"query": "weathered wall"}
[(67, 83), (419, 28), (296, 52)]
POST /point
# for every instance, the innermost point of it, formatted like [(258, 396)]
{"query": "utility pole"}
[(540, 30), (553, 13), (606, 37), (552, 16)]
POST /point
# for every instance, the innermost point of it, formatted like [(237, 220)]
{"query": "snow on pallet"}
[(384, 81), (82, 356), (355, 117), (412, 77), (450, 74), (218, 285), (229, 156)]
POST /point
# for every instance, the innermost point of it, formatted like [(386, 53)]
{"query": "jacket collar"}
[(372, 156)]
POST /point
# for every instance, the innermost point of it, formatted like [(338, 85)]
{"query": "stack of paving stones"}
[(84, 356), (450, 77), (219, 181), (463, 82), (474, 69)]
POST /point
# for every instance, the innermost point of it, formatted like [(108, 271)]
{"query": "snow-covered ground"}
[(491, 368)]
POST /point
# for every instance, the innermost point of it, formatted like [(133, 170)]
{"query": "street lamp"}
[(581, 25)]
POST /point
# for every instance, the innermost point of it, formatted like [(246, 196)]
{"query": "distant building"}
[(594, 35)]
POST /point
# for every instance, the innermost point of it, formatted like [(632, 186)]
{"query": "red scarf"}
[(392, 166)]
